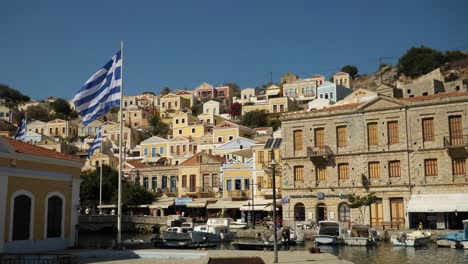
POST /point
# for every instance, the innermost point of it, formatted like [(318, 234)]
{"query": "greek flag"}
[(21, 131), (101, 91), (96, 143)]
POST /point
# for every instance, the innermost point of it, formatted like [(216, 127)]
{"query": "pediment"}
[(169, 95), (226, 124), (382, 103)]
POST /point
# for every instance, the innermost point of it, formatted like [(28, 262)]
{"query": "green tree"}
[(234, 86), (38, 112), (361, 202), (61, 108), (453, 55), (89, 190), (133, 194), (351, 70), (418, 61), (157, 127), (12, 96), (165, 91), (254, 119), (197, 109), (274, 122), (149, 92)]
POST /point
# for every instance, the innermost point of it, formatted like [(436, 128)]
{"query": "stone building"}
[(405, 150)]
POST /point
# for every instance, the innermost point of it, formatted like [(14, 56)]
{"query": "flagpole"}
[(100, 179), (119, 199)]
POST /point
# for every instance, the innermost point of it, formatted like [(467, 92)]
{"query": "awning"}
[(262, 201), (164, 204), (200, 202), (226, 205), (252, 208), (273, 92), (269, 208), (438, 203)]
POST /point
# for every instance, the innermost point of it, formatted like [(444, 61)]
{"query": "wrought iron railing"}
[(458, 141)]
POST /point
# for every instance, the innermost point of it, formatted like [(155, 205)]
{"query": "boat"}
[(238, 224), (413, 239), (216, 230), (177, 233), (360, 235), (255, 245), (329, 233), (451, 240), (464, 242)]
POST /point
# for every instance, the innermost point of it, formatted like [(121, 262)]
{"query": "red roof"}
[(337, 107), (26, 148), (195, 160), (439, 95), (183, 92)]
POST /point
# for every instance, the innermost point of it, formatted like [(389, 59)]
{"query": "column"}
[(3, 203)]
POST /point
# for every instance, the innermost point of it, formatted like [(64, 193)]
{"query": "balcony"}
[(323, 153), (456, 146), (236, 193)]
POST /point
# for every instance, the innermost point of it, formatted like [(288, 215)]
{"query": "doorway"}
[(321, 212)]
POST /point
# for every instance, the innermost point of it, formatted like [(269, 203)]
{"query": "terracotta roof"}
[(26, 148), (137, 164), (439, 95), (194, 159), (182, 93), (337, 107)]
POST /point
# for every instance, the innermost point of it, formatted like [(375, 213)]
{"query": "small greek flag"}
[(101, 92), (21, 131), (285, 200), (96, 143)]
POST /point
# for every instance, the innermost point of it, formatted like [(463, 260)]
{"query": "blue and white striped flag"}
[(96, 143), (21, 131), (101, 91)]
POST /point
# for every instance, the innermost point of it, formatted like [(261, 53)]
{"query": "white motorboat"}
[(329, 233), (238, 224), (215, 230), (464, 242), (360, 235), (413, 239), (177, 234)]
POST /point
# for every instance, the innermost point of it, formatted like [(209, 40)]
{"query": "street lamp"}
[(275, 227)]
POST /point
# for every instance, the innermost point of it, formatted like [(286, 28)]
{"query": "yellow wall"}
[(155, 145), (233, 173), (225, 133)]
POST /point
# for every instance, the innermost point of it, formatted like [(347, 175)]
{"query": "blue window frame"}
[(228, 185), (161, 150), (146, 152), (90, 130), (164, 182), (246, 184), (154, 183), (238, 184), (153, 152), (145, 182)]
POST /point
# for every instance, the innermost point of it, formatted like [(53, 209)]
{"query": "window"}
[(260, 157), (374, 169), (183, 120), (299, 212), (146, 152), (343, 171), (246, 184), (145, 183), (172, 150), (394, 169), (321, 171), (21, 218), (392, 128), (238, 184), (342, 136), (154, 183), (319, 137), (215, 180), (331, 95), (430, 167), (372, 134), (220, 139), (153, 152), (180, 131), (161, 150), (459, 166), (54, 216), (193, 130), (63, 130), (193, 179), (344, 212), (164, 182), (228, 185), (231, 138), (177, 121), (428, 129), (456, 130), (297, 138), (184, 181), (270, 157), (299, 173)]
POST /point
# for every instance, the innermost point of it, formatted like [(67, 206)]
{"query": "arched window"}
[(299, 212), (343, 212), (22, 217), (54, 216)]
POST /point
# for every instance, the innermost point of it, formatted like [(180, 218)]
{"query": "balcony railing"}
[(236, 193), (322, 151), (459, 141)]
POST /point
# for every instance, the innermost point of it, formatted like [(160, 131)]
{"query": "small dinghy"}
[(413, 239)]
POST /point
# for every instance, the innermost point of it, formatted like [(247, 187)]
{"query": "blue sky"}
[(53, 47)]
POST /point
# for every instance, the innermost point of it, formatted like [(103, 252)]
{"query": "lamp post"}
[(275, 227)]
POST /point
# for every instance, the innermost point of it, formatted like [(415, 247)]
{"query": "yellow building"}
[(212, 119), (227, 131), (98, 158), (61, 128), (180, 149), (237, 180), (131, 137), (174, 102), (135, 117), (39, 197), (186, 125), (154, 148), (90, 129), (262, 172), (199, 176), (187, 95), (37, 126)]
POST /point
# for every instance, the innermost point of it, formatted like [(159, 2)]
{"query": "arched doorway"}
[(321, 212), (299, 212), (344, 213), (21, 223)]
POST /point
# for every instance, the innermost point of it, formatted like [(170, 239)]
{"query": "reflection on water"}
[(385, 253)]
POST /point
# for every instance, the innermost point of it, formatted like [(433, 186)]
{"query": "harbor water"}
[(384, 253)]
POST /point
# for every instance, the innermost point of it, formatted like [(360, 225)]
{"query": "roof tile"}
[(26, 148)]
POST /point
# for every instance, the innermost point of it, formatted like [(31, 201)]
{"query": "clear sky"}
[(53, 47)]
